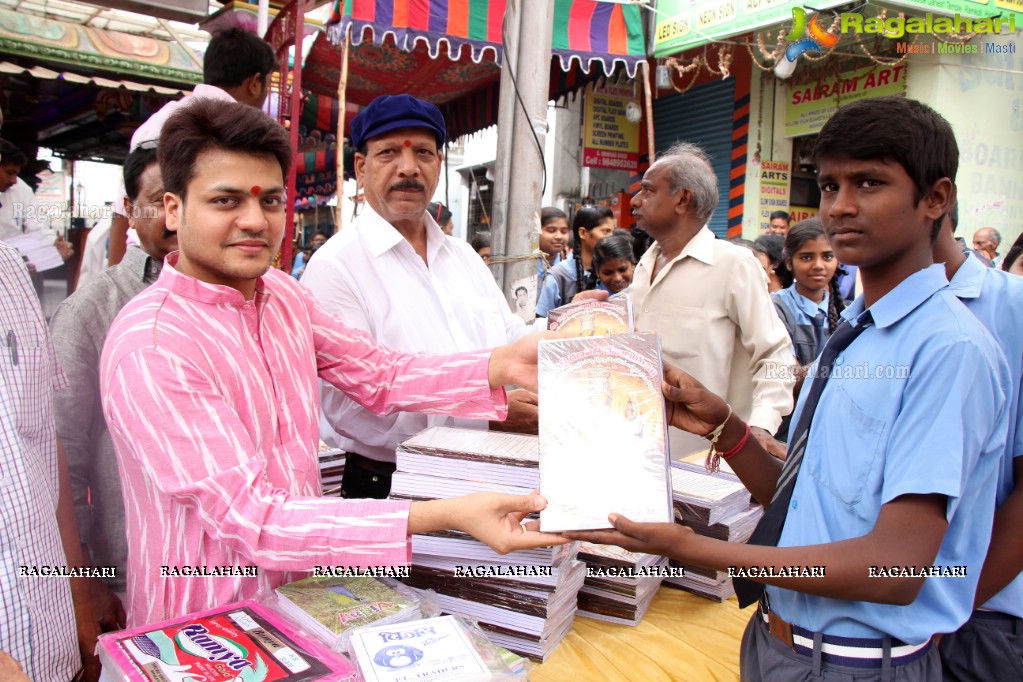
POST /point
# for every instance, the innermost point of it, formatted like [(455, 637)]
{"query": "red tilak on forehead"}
[(256, 189), (408, 143)]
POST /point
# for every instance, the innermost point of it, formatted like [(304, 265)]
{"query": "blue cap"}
[(391, 112)]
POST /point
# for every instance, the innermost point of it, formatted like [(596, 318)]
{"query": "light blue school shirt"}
[(803, 309), (878, 434), (540, 270), (550, 296), (996, 298)]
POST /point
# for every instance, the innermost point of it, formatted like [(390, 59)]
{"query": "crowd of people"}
[(171, 412)]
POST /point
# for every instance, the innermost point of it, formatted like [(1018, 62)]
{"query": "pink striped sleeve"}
[(385, 381), (208, 463)]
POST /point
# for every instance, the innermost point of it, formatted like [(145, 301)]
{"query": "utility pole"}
[(519, 173)]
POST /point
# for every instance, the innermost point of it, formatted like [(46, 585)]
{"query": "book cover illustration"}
[(244, 641), (603, 435), (593, 318), (431, 649), (339, 604)]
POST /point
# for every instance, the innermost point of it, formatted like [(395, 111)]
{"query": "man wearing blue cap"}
[(395, 274)]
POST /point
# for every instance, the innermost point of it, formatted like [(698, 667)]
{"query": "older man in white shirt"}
[(396, 275)]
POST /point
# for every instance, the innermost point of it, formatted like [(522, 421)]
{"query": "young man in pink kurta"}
[(209, 387)]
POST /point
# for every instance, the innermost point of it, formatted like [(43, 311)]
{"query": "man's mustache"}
[(408, 186)]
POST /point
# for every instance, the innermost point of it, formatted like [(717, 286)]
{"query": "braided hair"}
[(806, 231), (587, 217)]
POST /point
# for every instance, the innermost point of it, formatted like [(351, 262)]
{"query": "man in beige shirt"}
[(708, 299)]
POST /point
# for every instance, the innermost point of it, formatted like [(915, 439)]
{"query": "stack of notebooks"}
[(525, 601), (240, 641), (332, 468), (716, 505), (610, 596), (332, 607)]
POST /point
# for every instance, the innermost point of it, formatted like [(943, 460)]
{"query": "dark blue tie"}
[(768, 531), (819, 320)]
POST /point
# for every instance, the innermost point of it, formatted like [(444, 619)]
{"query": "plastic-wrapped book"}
[(603, 435), (331, 607), (593, 318), (240, 641), (433, 649)]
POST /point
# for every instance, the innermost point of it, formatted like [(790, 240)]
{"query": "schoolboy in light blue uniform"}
[(990, 645), (902, 455)]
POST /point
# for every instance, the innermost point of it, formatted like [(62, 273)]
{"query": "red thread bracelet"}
[(738, 446)]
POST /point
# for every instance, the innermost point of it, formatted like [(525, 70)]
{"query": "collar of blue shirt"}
[(903, 299), (969, 278)]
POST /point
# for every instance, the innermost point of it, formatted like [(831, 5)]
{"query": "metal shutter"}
[(703, 116)]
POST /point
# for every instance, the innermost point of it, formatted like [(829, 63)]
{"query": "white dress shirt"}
[(370, 276), (20, 213)]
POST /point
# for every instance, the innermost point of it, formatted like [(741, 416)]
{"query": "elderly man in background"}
[(708, 299), (986, 240)]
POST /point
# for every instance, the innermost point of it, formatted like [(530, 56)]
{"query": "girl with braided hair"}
[(575, 273), (810, 307)]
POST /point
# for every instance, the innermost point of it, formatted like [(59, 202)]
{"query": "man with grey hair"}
[(986, 241), (708, 299)]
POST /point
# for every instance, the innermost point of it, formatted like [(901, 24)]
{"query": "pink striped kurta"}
[(212, 403)]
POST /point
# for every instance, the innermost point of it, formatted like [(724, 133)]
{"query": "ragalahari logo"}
[(806, 37)]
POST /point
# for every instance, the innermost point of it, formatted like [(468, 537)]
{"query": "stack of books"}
[(330, 608), (702, 499), (332, 469), (619, 584), (240, 641), (525, 601), (716, 505)]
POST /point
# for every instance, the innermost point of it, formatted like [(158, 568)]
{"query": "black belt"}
[(371, 465)]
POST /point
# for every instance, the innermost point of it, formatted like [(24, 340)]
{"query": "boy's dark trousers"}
[(764, 657), (988, 647)]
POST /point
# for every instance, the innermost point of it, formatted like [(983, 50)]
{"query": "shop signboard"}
[(809, 105), (682, 24), (610, 140), (798, 213), (774, 190)]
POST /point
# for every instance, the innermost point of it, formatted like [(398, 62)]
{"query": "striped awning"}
[(591, 33)]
